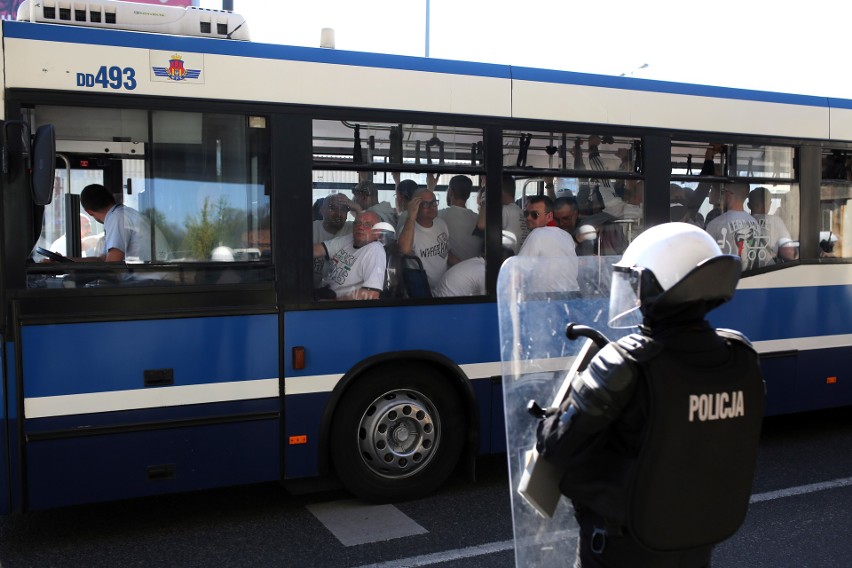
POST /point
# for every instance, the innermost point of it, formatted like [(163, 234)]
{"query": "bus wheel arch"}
[(404, 428)]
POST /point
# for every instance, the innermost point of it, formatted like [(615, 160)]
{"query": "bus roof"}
[(517, 91)]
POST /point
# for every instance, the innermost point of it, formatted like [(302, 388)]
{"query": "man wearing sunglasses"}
[(547, 240)]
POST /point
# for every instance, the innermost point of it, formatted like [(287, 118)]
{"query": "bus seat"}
[(393, 271), (414, 277)]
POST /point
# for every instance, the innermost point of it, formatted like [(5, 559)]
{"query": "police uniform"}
[(658, 435)]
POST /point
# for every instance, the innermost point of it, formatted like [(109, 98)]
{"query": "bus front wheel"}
[(397, 434)]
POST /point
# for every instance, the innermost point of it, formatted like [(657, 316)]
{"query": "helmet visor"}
[(624, 297)]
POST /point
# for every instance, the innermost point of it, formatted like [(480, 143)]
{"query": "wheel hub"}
[(399, 433)]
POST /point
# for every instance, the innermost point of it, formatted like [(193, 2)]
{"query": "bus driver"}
[(127, 234)]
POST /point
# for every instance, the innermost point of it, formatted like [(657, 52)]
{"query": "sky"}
[(790, 47)]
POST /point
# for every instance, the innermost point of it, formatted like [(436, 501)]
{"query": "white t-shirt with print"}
[(353, 268), (775, 228), (432, 247), (739, 234), (320, 236)]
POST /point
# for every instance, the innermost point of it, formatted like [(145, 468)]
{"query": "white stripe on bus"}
[(85, 403), (65, 405), (803, 275), (325, 383)]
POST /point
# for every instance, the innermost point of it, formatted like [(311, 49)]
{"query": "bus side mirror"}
[(44, 164)]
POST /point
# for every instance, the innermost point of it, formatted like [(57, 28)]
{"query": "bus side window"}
[(835, 236)]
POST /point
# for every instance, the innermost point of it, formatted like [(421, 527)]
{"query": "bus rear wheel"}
[(397, 434)]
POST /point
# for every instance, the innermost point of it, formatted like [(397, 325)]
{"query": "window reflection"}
[(200, 184), (835, 236)]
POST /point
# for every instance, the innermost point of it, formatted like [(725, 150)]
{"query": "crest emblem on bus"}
[(176, 71)]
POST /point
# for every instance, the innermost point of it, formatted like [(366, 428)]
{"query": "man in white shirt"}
[(366, 196), (334, 210), (426, 236), (547, 240), (467, 278), (738, 233), (513, 216), (772, 224), (127, 233), (460, 220), (357, 261)]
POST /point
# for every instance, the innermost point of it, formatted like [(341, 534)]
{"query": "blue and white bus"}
[(209, 361)]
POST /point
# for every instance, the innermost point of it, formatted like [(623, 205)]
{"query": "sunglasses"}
[(533, 214)]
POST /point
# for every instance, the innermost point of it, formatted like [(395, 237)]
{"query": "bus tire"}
[(397, 434)]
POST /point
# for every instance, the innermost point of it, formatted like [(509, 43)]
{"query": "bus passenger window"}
[(594, 180), (425, 220), (755, 216), (835, 236)]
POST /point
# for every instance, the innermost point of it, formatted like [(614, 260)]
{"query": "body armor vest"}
[(675, 469), (691, 483)]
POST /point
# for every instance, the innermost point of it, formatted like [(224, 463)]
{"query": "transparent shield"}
[(537, 358)]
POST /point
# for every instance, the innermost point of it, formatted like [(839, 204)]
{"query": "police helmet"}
[(666, 266)]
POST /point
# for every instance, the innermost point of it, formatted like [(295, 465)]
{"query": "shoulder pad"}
[(733, 335), (640, 347)]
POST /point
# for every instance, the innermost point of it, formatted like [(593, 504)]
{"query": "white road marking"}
[(801, 490), (447, 556), (494, 547), (469, 552), (354, 522)]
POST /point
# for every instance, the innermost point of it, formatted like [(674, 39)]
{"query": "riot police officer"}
[(658, 435)]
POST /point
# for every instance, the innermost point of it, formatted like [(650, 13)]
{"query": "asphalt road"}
[(800, 516)]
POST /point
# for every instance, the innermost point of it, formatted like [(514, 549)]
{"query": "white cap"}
[(586, 233), (382, 226)]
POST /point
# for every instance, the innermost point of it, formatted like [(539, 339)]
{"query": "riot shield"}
[(537, 359)]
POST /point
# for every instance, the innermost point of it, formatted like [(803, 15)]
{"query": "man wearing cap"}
[(356, 261)]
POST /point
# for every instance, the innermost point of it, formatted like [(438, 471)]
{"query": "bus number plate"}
[(111, 77)]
